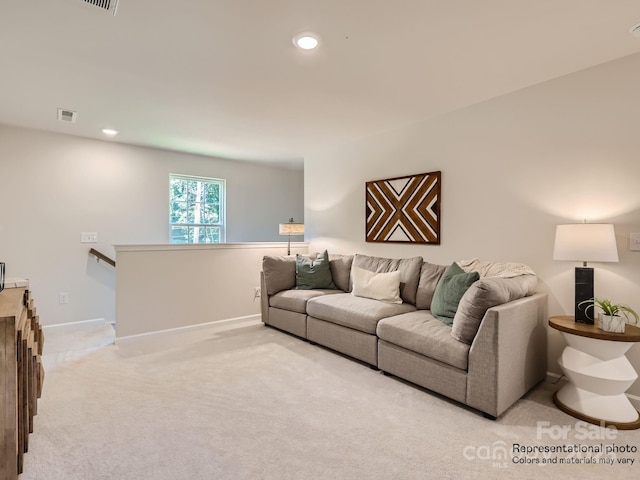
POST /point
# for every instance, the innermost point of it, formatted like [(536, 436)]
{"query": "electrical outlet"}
[(89, 237), (256, 292), (63, 298)]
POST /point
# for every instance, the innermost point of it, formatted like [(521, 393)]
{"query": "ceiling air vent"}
[(65, 115), (107, 5)]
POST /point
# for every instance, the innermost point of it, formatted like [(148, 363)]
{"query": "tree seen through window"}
[(196, 209)]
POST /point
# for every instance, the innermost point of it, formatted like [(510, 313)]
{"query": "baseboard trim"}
[(172, 331), (95, 321), (553, 377)]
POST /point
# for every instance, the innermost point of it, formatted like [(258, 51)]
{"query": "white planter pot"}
[(614, 324)]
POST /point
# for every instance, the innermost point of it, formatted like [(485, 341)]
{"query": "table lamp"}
[(289, 229), (585, 242)]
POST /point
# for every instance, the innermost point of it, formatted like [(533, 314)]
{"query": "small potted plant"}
[(614, 316)]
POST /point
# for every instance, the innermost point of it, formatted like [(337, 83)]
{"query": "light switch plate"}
[(634, 241), (89, 237)]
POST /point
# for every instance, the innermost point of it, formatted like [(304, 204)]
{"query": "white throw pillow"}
[(379, 286)]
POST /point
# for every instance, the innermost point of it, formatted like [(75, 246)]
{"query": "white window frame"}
[(222, 216)]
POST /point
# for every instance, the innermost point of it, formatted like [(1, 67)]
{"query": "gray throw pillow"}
[(312, 274), (450, 289)]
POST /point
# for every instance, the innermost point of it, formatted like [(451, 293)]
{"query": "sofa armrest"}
[(508, 356), (264, 299)]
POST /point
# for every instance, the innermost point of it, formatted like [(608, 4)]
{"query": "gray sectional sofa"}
[(489, 354)]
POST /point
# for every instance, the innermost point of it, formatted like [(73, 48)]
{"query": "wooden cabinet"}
[(21, 377)]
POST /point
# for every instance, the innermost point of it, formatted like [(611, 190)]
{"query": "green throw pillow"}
[(450, 289), (311, 274)]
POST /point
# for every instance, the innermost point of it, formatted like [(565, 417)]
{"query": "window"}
[(196, 209)]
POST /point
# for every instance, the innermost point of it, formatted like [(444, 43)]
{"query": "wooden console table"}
[(21, 377), (598, 373)]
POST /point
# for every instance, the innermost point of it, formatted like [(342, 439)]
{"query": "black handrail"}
[(101, 256)]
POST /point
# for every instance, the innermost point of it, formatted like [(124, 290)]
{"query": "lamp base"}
[(584, 291)]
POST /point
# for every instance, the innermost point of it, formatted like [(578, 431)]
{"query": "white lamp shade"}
[(291, 229), (586, 242)]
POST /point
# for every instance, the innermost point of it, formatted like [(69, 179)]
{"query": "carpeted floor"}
[(240, 401)]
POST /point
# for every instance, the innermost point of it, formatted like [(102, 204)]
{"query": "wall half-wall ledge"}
[(164, 287), (208, 246)]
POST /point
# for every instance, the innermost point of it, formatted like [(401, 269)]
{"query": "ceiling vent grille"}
[(107, 5), (65, 115)]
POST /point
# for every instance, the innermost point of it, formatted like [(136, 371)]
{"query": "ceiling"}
[(223, 78)]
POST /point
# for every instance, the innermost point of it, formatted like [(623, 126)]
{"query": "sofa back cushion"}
[(429, 276), (279, 273), (486, 293), (409, 269), (341, 270)]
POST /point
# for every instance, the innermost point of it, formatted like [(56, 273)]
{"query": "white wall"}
[(52, 187), (512, 169), (164, 287)]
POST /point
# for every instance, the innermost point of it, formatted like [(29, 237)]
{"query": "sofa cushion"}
[(422, 333), (358, 313), (313, 273), (279, 273), (452, 286), (484, 294), (296, 300), (378, 286), (341, 270), (429, 276), (409, 272)]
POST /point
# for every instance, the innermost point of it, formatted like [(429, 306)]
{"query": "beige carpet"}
[(243, 401)]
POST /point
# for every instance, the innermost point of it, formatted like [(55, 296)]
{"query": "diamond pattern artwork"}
[(404, 209)]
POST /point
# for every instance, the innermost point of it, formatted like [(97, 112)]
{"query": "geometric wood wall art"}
[(404, 209)]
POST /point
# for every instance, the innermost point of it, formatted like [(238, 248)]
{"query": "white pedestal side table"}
[(598, 373)]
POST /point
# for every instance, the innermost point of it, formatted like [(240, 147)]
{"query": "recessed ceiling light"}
[(306, 41), (109, 131)]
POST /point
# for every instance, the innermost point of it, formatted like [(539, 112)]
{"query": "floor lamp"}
[(585, 242), (289, 229)]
